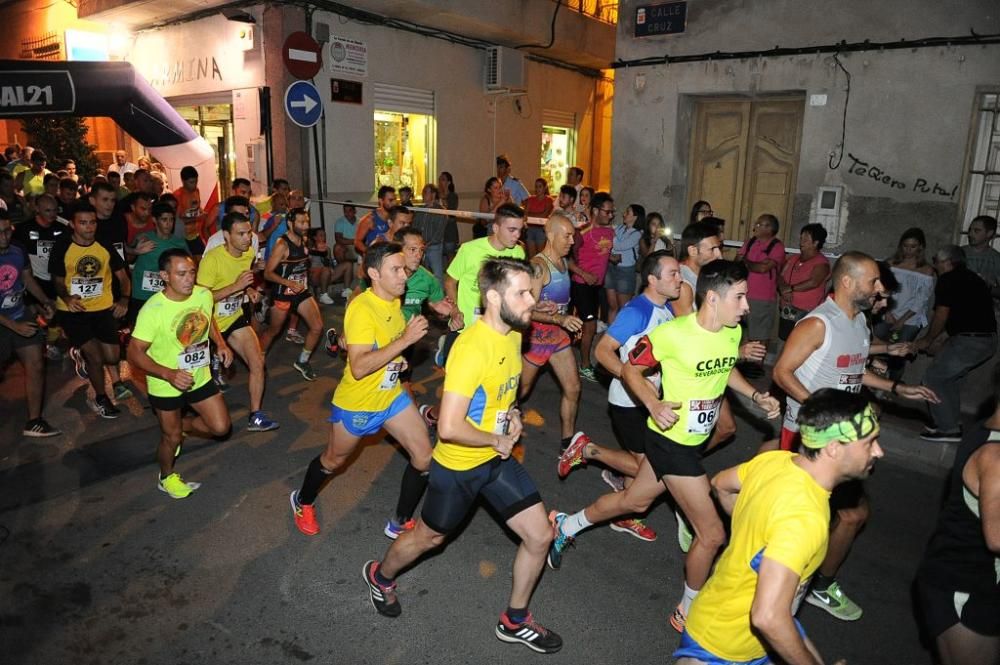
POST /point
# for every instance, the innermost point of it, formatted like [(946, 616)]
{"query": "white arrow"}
[(307, 103)]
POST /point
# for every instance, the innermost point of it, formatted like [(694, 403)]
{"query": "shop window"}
[(558, 154), (404, 150), (214, 123)]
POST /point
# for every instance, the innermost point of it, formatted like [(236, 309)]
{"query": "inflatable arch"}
[(117, 91)]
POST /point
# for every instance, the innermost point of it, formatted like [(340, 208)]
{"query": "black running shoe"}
[(530, 633), (383, 598)]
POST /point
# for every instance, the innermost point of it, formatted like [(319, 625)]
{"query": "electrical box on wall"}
[(504, 69), (827, 211)]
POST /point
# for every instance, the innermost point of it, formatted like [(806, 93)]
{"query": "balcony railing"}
[(605, 11)]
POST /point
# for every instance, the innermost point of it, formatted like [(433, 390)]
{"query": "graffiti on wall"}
[(860, 167)]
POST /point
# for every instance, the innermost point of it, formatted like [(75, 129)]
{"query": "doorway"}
[(214, 123), (744, 160)]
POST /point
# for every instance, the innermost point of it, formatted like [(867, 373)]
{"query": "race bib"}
[(12, 300), (86, 287), (40, 259), (231, 305), (702, 414), (194, 356), (45, 248), (850, 383), (391, 377), (151, 281), (298, 278), (502, 425)]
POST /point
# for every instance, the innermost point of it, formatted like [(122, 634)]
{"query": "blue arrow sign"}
[(303, 104)]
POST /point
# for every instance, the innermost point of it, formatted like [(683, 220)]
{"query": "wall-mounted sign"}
[(348, 92), (665, 19), (348, 56)]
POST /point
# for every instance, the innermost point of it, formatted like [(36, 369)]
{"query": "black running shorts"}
[(629, 425), (504, 484), (941, 609), (669, 458)]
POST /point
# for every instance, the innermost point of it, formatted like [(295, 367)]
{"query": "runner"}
[(82, 270), (146, 272), (369, 396), (288, 269), (697, 357), (375, 224), (779, 503), (829, 349), (421, 287), (591, 253), (640, 316), (170, 345), (227, 272), (479, 425), (461, 282), (19, 334), (958, 584), (549, 341)]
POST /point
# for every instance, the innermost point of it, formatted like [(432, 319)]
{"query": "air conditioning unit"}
[(504, 69)]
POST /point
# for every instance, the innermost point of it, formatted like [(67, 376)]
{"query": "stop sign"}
[(301, 54)]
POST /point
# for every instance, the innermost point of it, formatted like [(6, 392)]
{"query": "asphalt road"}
[(97, 566)]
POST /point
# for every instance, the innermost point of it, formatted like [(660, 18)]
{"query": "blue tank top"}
[(557, 290), (379, 228)]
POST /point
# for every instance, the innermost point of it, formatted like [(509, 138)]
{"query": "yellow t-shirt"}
[(781, 513), (374, 323), (177, 333), (87, 271), (484, 366), (695, 365), (219, 269)]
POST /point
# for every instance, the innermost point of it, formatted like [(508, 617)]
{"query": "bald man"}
[(552, 328)]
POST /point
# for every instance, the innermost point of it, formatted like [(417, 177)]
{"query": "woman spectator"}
[(539, 205), (654, 235), (619, 282), (802, 284), (322, 270), (583, 206), (700, 211), (449, 199), (907, 313), (494, 196)]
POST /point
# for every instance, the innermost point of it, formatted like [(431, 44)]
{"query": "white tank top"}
[(691, 279), (839, 362)]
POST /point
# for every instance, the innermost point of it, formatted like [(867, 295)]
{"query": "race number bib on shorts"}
[(391, 378), (502, 425), (702, 414), (194, 356), (850, 383), (231, 305), (86, 287), (151, 281)]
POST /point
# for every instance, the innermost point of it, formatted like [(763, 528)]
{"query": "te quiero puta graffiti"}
[(859, 167)]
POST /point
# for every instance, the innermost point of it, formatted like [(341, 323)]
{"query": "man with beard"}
[(478, 427), (829, 349), (643, 314), (369, 396), (170, 345), (779, 502), (288, 270)]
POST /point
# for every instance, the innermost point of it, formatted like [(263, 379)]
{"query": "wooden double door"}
[(744, 160)]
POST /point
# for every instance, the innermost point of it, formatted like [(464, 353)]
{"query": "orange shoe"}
[(304, 516)]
